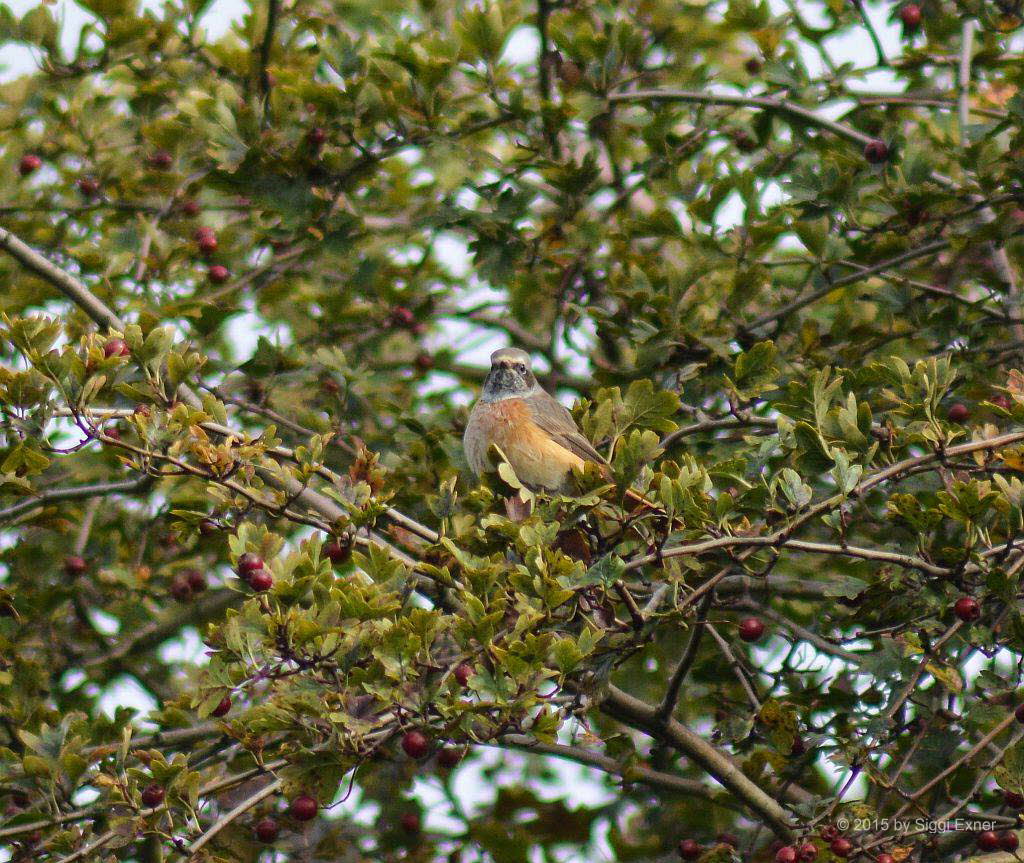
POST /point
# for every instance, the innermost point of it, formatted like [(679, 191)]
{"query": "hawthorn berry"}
[(841, 847), (415, 744), (402, 317), (449, 757), (116, 348), (786, 854), (218, 274), (266, 830), (222, 708), (689, 849), (196, 580), (807, 852), (153, 795), (337, 552), (911, 16), (303, 808), (75, 565), (876, 152), (180, 589), (958, 412), (260, 580), (248, 563), (751, 628), (88, 187), (29, 164), (967, 609), (987, 840)]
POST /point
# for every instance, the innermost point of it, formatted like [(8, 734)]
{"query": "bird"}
[(536, 433)]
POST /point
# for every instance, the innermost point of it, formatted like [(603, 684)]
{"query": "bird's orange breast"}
[(538, 460)]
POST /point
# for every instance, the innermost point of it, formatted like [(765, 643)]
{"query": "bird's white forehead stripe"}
[(513, 354)]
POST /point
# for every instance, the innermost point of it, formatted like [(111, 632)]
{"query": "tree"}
[(236, 357)]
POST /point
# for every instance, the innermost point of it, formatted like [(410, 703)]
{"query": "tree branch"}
[(624, 707), (101, 489), (631, 773)]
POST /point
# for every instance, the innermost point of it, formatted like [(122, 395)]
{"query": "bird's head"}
[(510, 376)]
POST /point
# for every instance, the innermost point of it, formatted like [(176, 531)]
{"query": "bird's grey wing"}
[(552, 416)]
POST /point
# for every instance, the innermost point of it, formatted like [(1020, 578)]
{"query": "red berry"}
[(967, 609), (751, 628), (190, 207), (958, 412), (218, 274), (112, 432), (222, 708), (196, 580), (987, 841), (316, 136), (876, 152), (410, 822), (463, 671), (1013, 799), (248, 563), (415, 744), (206, 240), (885, 858), (910, 15), (1019, 714), (267, 830), (786, 854), (116, 348), (208, 527), (303, 808), (841, 847), (424, 362), (1009, 841), (807, 852), (689, 849), (180, 589), (260, 580), (75, 565), (29, 164), (1001, 401), (829, 833), (88, 187), (152, 795), (402, 317), (338, 552), (449, 757), (160, 159)]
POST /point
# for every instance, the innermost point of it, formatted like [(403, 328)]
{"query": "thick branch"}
[(630, 773), (624, 707)]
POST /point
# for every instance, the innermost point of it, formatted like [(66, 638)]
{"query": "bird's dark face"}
[(510, 375)]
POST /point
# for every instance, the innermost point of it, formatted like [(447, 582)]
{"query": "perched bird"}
[(535, 432)]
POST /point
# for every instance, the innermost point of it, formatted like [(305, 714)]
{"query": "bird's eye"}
[(521, 367)]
